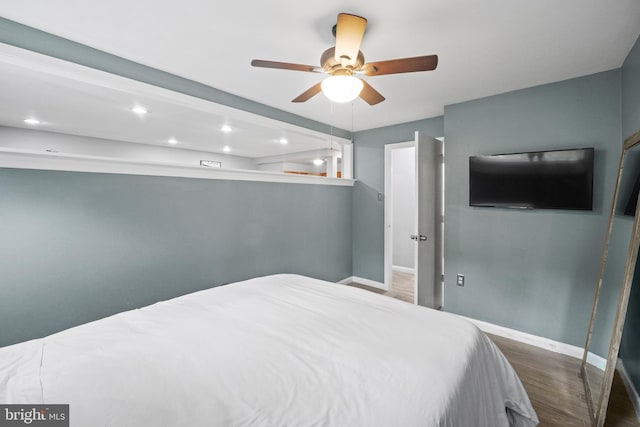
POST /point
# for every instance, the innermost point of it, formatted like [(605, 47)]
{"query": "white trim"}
[(58, 67), (628, 384), (362, 281), (541, 342), (403, 269), (24, 159), (387, 219), (597, 361), (98, 79)]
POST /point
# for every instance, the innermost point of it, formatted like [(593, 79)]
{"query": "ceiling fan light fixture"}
[(342, 88)]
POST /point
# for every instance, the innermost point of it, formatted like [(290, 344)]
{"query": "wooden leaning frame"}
[(598, 410)]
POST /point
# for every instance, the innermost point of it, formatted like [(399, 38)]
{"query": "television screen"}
[(561, 179)]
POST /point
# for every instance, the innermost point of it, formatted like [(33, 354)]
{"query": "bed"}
[(282, 350)]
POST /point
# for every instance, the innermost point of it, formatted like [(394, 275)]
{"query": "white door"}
[(428, 230)]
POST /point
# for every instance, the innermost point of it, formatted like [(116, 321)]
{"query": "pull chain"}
[(331, 129), (352, 102)]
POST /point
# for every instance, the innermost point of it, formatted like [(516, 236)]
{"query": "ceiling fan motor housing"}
[(330, 65)]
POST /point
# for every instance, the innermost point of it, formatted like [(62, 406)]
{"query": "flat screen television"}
[(560, 179)]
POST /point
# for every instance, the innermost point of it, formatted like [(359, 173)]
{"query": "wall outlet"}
[(379, 197), (460, 280)]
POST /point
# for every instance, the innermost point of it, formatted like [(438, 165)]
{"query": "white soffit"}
[(73, 99)]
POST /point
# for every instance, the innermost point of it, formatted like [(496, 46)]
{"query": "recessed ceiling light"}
[(284, 141), (172, 141), (226, 148), (141, 111), (32, 121), (226, 128), (318, 162)]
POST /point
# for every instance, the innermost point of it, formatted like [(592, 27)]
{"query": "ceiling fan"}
[(345, 60)]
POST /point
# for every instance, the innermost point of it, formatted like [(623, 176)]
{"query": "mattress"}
[(282, 350)]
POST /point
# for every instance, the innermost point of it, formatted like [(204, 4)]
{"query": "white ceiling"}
[(484, 47)]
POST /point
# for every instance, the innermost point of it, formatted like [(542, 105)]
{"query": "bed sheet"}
[(282, 350)]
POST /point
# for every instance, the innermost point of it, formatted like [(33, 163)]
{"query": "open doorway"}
[(401, 197), (414, 188)]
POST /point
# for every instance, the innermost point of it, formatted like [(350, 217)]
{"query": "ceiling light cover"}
[(32, 121), (284, 141), (226, 148), (342, 89), (172, 141), (226, 128), (318, 162)]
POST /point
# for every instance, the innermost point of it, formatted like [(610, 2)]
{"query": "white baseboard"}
[(628, 384), (363, 281), (403, 269), (597, 361), (541, 342)]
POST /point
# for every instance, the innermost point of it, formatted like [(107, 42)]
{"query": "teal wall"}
[(76, 247), (631, 91), (532, 271), (368, 211), (107, 243), (630, 344)]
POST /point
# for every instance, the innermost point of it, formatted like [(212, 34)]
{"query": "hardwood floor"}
[(620, 412), (555, 388), (552, 381), (402, 287)]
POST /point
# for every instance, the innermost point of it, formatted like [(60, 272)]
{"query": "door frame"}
[(388, 215)]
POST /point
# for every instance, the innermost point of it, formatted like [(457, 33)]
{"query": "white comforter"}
[(281, 350)]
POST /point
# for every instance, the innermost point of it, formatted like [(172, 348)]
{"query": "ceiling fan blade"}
[(370, 95), (349, 33), (285, 66), (404, 65), (308, 94)]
